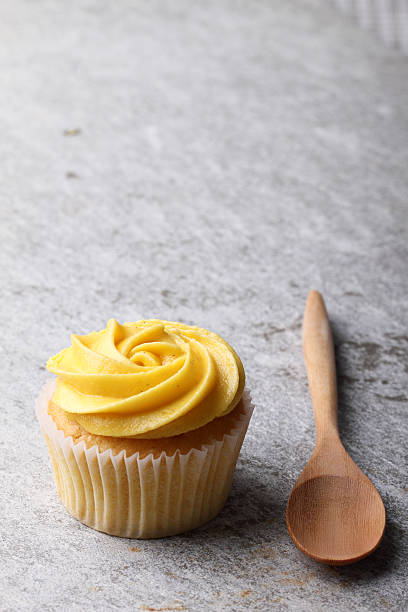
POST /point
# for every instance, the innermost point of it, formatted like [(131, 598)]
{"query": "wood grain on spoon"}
[(334, 514)]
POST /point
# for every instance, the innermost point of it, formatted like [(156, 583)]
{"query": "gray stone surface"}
[(208, 163)]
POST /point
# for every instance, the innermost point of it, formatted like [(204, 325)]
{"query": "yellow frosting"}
[(148, 379)]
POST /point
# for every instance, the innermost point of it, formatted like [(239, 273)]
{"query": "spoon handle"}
[(318, 353)]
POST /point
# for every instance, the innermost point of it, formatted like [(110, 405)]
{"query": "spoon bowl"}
[(336, 519), (334, 513)]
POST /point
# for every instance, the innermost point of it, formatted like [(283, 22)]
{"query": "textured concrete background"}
[(208, 163)]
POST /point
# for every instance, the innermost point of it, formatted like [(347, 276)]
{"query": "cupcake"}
[(144, 425)]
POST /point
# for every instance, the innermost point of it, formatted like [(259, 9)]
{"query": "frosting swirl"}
[(148, 379)]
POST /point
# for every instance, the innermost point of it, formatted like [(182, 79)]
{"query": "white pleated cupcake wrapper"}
[(138, 497)]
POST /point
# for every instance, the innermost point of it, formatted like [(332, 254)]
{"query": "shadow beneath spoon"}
[(350, 384), (347, 379), (382, 561)]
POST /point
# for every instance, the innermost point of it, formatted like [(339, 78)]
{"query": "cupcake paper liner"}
[(145, 497)]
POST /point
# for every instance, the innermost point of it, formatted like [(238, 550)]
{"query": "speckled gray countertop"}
[(209, 163)]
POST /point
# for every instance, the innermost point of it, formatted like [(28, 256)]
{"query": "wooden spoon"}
[(334, 514)]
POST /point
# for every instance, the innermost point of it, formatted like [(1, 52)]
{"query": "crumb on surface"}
[(72, 131)]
